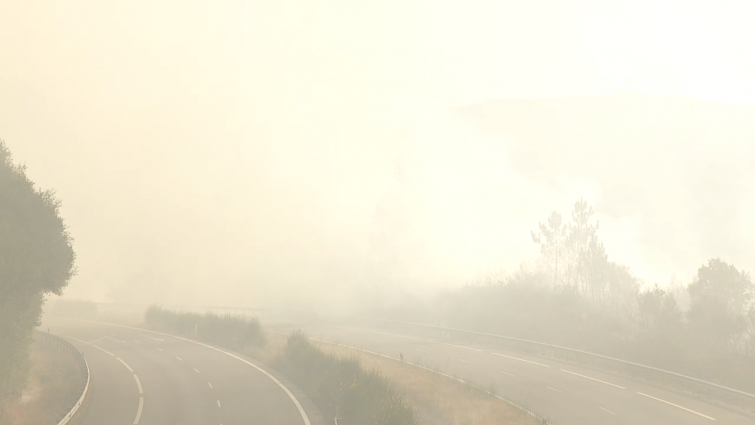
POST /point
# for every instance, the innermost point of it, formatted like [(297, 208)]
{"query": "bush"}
[(341, 388), (235, 332)]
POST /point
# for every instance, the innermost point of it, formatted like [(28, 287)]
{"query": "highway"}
[(144, 378), (562, 393)]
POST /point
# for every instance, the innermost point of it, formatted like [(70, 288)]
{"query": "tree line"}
[(36, 258), (574, 295)]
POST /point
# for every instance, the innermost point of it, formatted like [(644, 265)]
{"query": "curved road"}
[(143, 378), (563, 393)]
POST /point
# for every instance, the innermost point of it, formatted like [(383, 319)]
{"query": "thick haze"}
[(249, 153)]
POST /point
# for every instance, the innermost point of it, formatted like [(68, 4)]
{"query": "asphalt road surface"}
[(562, 393), (142, 378)]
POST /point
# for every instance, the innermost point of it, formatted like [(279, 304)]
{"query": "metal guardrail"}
[(637, 371), (83, 366)]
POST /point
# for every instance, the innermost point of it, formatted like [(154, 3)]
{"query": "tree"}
[(720, 298), (552, 240), (36, 258)]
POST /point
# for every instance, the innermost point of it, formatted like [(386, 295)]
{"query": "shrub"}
[(229, 331), (341, 388)]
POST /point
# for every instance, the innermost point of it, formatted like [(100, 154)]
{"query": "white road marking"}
[(593, 379), (196, 370), (521, 360), (302, 412), (459, 346), (553, 389), (179, 359), (421, 351), (97, 346), (159, 349), (124, 364), (218, 403), (676, 405), (603, 408), (139, 411), (82, 341), (506, 373), (156, 339), (209, 384), (138, 384), (462, 360)]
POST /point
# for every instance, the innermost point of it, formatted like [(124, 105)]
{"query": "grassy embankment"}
[(359, 387), (52, 388), (338, 386)]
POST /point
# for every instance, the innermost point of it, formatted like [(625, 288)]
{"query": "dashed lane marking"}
[(139, 384), (124, 364), (553, 389), (604, 409), (459, 346), (676, 405), (179, 359), (521, 360), (139, 411), (196, 370), (506, 373), (594, 379), (106, 351), (209, 384)]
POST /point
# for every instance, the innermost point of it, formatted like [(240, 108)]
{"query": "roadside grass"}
[(341, 387), (436, 399), (52, 389), (440, 400)]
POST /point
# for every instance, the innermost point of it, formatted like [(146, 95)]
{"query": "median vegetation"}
[(339, 386), (235, 332)]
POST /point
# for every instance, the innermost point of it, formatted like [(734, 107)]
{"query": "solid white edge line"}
[(603, 408), (125, 364), (106, 351), (594, 379), (521, 360), (676, 405), (558, 391), (139, 385), (139, 411), (288, 392)]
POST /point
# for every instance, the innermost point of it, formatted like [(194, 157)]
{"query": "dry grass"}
[(436, 399), (54, 386)]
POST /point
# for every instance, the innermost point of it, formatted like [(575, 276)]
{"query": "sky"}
[(247, 153)]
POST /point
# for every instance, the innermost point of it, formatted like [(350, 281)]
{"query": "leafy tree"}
[(720, 298), (36, 257)]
